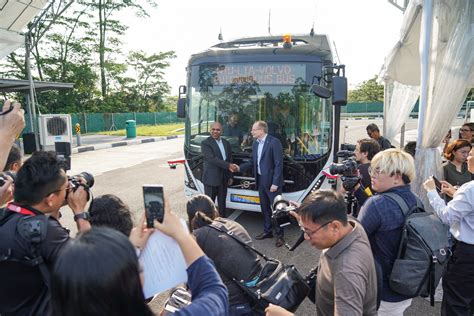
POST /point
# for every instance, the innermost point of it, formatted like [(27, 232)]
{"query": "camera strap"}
[(230, 234), (20, 209), (7, 111)]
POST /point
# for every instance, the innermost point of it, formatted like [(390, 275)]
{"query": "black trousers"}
[(266, 201), (221, 193), (458, 282)]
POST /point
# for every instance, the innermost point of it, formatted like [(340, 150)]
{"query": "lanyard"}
[(19, 209)]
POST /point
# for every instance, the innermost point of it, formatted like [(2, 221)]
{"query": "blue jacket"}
[(271, 163), (383, 221), (209, 293)]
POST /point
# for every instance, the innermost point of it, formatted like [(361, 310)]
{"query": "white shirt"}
[(220, 144), (261, 142), (459, 213)]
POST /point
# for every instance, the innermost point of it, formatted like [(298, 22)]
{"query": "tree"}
[(150, 86), (367, 91), (106, 24)]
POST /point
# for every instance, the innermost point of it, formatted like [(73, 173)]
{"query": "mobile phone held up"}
[(437, 184), (154, 204)]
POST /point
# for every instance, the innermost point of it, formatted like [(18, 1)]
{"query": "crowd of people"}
[(46, 272)]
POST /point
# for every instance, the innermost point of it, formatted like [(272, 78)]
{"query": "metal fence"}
[(100, 122)]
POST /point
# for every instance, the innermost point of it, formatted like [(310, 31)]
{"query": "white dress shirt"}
[(459, 213), (261, 142), (220, 144)]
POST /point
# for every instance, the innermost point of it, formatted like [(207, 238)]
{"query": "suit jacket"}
[(216, 169), (271, 163)]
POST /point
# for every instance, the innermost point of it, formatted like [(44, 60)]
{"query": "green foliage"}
[(83, 47), (367, 91), (153, 130)]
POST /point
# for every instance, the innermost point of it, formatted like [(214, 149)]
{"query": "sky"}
[(364, 31)]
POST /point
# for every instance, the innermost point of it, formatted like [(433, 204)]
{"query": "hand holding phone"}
[(153, 198), (437, 184)]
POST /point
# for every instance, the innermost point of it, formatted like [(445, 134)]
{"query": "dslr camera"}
[(84, 179), (281, 212), (347, 169), (3, 177)]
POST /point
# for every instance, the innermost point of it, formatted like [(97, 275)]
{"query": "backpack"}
[(30, 230), (422, 254)]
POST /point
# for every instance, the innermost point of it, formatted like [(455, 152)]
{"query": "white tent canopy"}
[(14, 16), (434, 59)]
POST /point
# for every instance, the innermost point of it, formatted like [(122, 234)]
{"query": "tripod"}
[(349, 183)]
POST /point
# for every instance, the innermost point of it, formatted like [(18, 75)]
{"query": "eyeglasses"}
[(465, 130), (312, 232), (215, 129)]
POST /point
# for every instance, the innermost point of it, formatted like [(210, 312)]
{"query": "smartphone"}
[(154, 203), (437, 184)]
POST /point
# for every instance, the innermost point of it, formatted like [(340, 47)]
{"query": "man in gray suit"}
[(217, 154)]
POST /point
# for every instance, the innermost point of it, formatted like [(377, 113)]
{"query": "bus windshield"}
[(236, 95)]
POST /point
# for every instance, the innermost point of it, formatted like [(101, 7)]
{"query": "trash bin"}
[(131, 128)]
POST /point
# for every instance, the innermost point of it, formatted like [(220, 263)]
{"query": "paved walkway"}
[(97, 142)]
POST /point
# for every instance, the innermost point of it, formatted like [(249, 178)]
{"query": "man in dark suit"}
[(267, 166), (217, 155)]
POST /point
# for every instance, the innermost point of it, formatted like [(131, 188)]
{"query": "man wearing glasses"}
[(346, 281), (41, 189), (267, 165), (217, 155)]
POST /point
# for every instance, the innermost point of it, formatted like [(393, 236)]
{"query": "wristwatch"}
[(83, 215)]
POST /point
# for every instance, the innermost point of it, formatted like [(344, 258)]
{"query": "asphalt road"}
[(123, 171)]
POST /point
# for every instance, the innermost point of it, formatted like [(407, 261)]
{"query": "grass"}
[(152, 130)]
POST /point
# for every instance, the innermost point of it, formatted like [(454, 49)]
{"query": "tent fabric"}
[(402, 64), (403, 98), (451, 67), (14, 16)]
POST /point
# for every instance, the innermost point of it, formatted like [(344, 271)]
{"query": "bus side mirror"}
[(339, 90), (321, 92), (181, 109)]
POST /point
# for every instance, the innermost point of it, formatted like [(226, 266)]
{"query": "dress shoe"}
[(280, 242), (264, 236)]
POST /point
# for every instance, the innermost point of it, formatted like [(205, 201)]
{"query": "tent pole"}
[(425, 50), (386, 104), (32, 107)]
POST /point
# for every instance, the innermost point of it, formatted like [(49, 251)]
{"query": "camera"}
[(281, 212), (84, 179), (347, 169), (3, 178), (348, 147)]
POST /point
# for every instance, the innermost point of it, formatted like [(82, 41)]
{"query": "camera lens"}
[(89, 178)]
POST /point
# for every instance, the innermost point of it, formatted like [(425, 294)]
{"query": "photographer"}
[(231, 259), (41, 189), (365, 150), (346, 281)]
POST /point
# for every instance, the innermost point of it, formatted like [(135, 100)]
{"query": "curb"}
[(82, 149)]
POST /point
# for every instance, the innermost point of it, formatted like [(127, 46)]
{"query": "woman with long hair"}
[(230, 257), (455, 169)]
